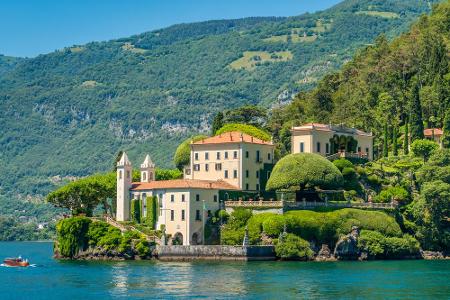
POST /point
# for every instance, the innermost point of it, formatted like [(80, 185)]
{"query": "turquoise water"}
[(52, 279)]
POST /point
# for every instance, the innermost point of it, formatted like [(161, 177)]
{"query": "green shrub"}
[(239, 217), (348, 173), (135, 210), (72, 235), (273, 225), (182, 156), (152, 212), (244, 128), (222, 214), (374, 180), (96, 231), (255, 226), (304, 171), (293, 247), (111, 240), (423, 148), (143, 248), (379, 246), (343, 163), (393, 193)]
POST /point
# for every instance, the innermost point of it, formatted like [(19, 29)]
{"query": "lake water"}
[(52, 279)]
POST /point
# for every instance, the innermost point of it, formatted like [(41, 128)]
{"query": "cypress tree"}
[(385, 142), (217, 123), (405, 140), (394, 141), (446, 137), (416, 130)]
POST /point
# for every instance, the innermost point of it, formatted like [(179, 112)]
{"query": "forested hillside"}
[(392, 89), (69, 112)]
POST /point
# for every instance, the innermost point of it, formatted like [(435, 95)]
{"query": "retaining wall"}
[(215, 252)]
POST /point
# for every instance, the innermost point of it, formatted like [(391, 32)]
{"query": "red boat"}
[(16, 262)]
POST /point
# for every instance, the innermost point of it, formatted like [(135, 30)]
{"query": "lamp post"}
[(203, 221)]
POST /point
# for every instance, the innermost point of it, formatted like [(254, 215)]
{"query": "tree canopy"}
[(182, 155), (245, 128), (304, 171)]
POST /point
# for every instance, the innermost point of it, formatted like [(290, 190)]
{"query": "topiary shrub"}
[(244, 128), (293, 247), (343, 163), (273, 225), (152, 214), (304, 171), (393, 193), (182, 156)]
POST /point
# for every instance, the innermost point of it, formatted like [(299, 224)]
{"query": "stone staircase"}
[(124, 228)]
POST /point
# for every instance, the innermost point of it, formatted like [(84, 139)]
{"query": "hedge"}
[(135, 210), (304, 171), (379, 246), (152, 212), (293, 247)]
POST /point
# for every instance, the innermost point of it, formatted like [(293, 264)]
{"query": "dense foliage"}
[(245, 128), (304, 171), (182, 156), (293, 247), (376, 245), (80, 233)]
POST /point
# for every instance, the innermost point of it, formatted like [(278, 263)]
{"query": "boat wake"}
[(30, 266)]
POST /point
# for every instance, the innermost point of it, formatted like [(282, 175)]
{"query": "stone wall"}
[(215, 252)]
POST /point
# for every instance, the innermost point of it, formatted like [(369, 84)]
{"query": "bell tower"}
[(124, 178), (147, 170)]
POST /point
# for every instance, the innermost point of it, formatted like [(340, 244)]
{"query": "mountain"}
[(69, 112), (7, 63)]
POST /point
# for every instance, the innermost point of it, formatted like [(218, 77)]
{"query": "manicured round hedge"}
[(244, 128), (182, 155), (304, 171)]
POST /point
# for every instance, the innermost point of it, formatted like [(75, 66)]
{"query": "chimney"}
[(231, 137), (242, 137), (252, 139)]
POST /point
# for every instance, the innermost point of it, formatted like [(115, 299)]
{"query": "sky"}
[(32, 27)]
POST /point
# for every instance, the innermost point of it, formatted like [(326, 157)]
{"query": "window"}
[(318, 147), (196, 167), (234, 173), (359, 149), (367, 151), (120, 174), (196, 155), (183, 198), (182, 215), (257, 174), (258, 158), (226, 154), (257, 187), (327, 148), (215, 198), (197, 215), (209, 213), (218, 167), (172, 198), (206, 167), (302, 147), (226, 174), (269, 157), (246, 154), (172, 215), (206, 155), (128, 174), (144, 176), (218, 155), (235, 154), (150, 176), (247, 173), (197, 197), (246, 186)]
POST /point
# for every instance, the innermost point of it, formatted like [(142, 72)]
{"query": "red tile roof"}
[(232, 137), (429, 132), (183, 184)]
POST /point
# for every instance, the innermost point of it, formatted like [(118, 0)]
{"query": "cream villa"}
[(231, 162), (328, 140)]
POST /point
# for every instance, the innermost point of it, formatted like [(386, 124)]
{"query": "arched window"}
[(120, 174), (144, 176), (150, 176)]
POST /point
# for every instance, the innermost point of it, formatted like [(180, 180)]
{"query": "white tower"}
[(147, 170), (124, 178)]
